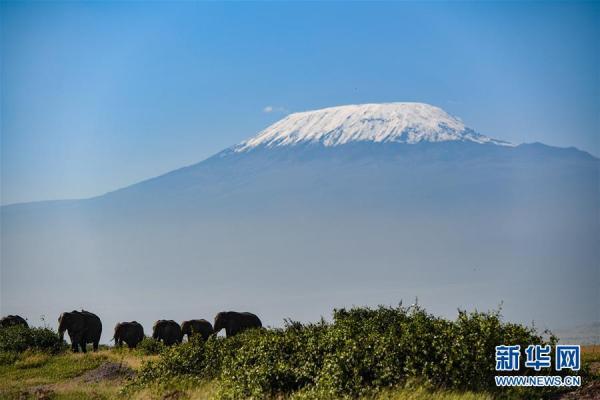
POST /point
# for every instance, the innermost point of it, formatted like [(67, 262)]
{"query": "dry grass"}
[(590, 356), (204, 391), (126, 357), (424, 394), (591, 352)]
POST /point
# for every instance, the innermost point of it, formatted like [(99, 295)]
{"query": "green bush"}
[(361, 352), (149, 346), (8, 357), (20, 338)]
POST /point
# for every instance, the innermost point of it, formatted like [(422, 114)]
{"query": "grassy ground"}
[(590, 354), (68, 375), (101, 375)]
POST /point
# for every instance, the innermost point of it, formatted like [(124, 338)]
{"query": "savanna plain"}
[(362, 353)]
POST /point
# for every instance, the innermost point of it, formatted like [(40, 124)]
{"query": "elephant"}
[(235, 322), (129, 332), (193, 326), (12, 320), (168, 331), (83, 328)]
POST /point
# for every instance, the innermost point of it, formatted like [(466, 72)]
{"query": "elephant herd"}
[(85, 327)]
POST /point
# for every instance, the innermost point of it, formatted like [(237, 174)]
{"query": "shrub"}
[(8, 358), (196, 358), (20, 338), (361, 352), (150, 346)]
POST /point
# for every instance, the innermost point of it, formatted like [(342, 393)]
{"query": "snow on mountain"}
[(387, 122)]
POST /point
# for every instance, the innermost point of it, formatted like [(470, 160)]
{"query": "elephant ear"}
[(64, 320)]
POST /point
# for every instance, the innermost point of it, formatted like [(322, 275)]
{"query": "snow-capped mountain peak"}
[(387, 122)]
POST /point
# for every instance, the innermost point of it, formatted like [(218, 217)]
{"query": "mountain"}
[(362, 204), (378, 123)]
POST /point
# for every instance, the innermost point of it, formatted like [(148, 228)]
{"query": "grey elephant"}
[(235, 322), (196, 326), (167, 331), (83, 327), (12, 320), (129, 332)]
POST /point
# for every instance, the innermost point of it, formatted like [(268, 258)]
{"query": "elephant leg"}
[(83, 346), (96, 343), (74, 342)]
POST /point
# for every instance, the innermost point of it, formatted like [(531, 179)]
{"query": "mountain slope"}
[(290, 228)]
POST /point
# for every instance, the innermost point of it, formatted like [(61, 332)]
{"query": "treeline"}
[(361, 352)]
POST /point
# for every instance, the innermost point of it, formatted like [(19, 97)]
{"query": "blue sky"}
[(96, 96)]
